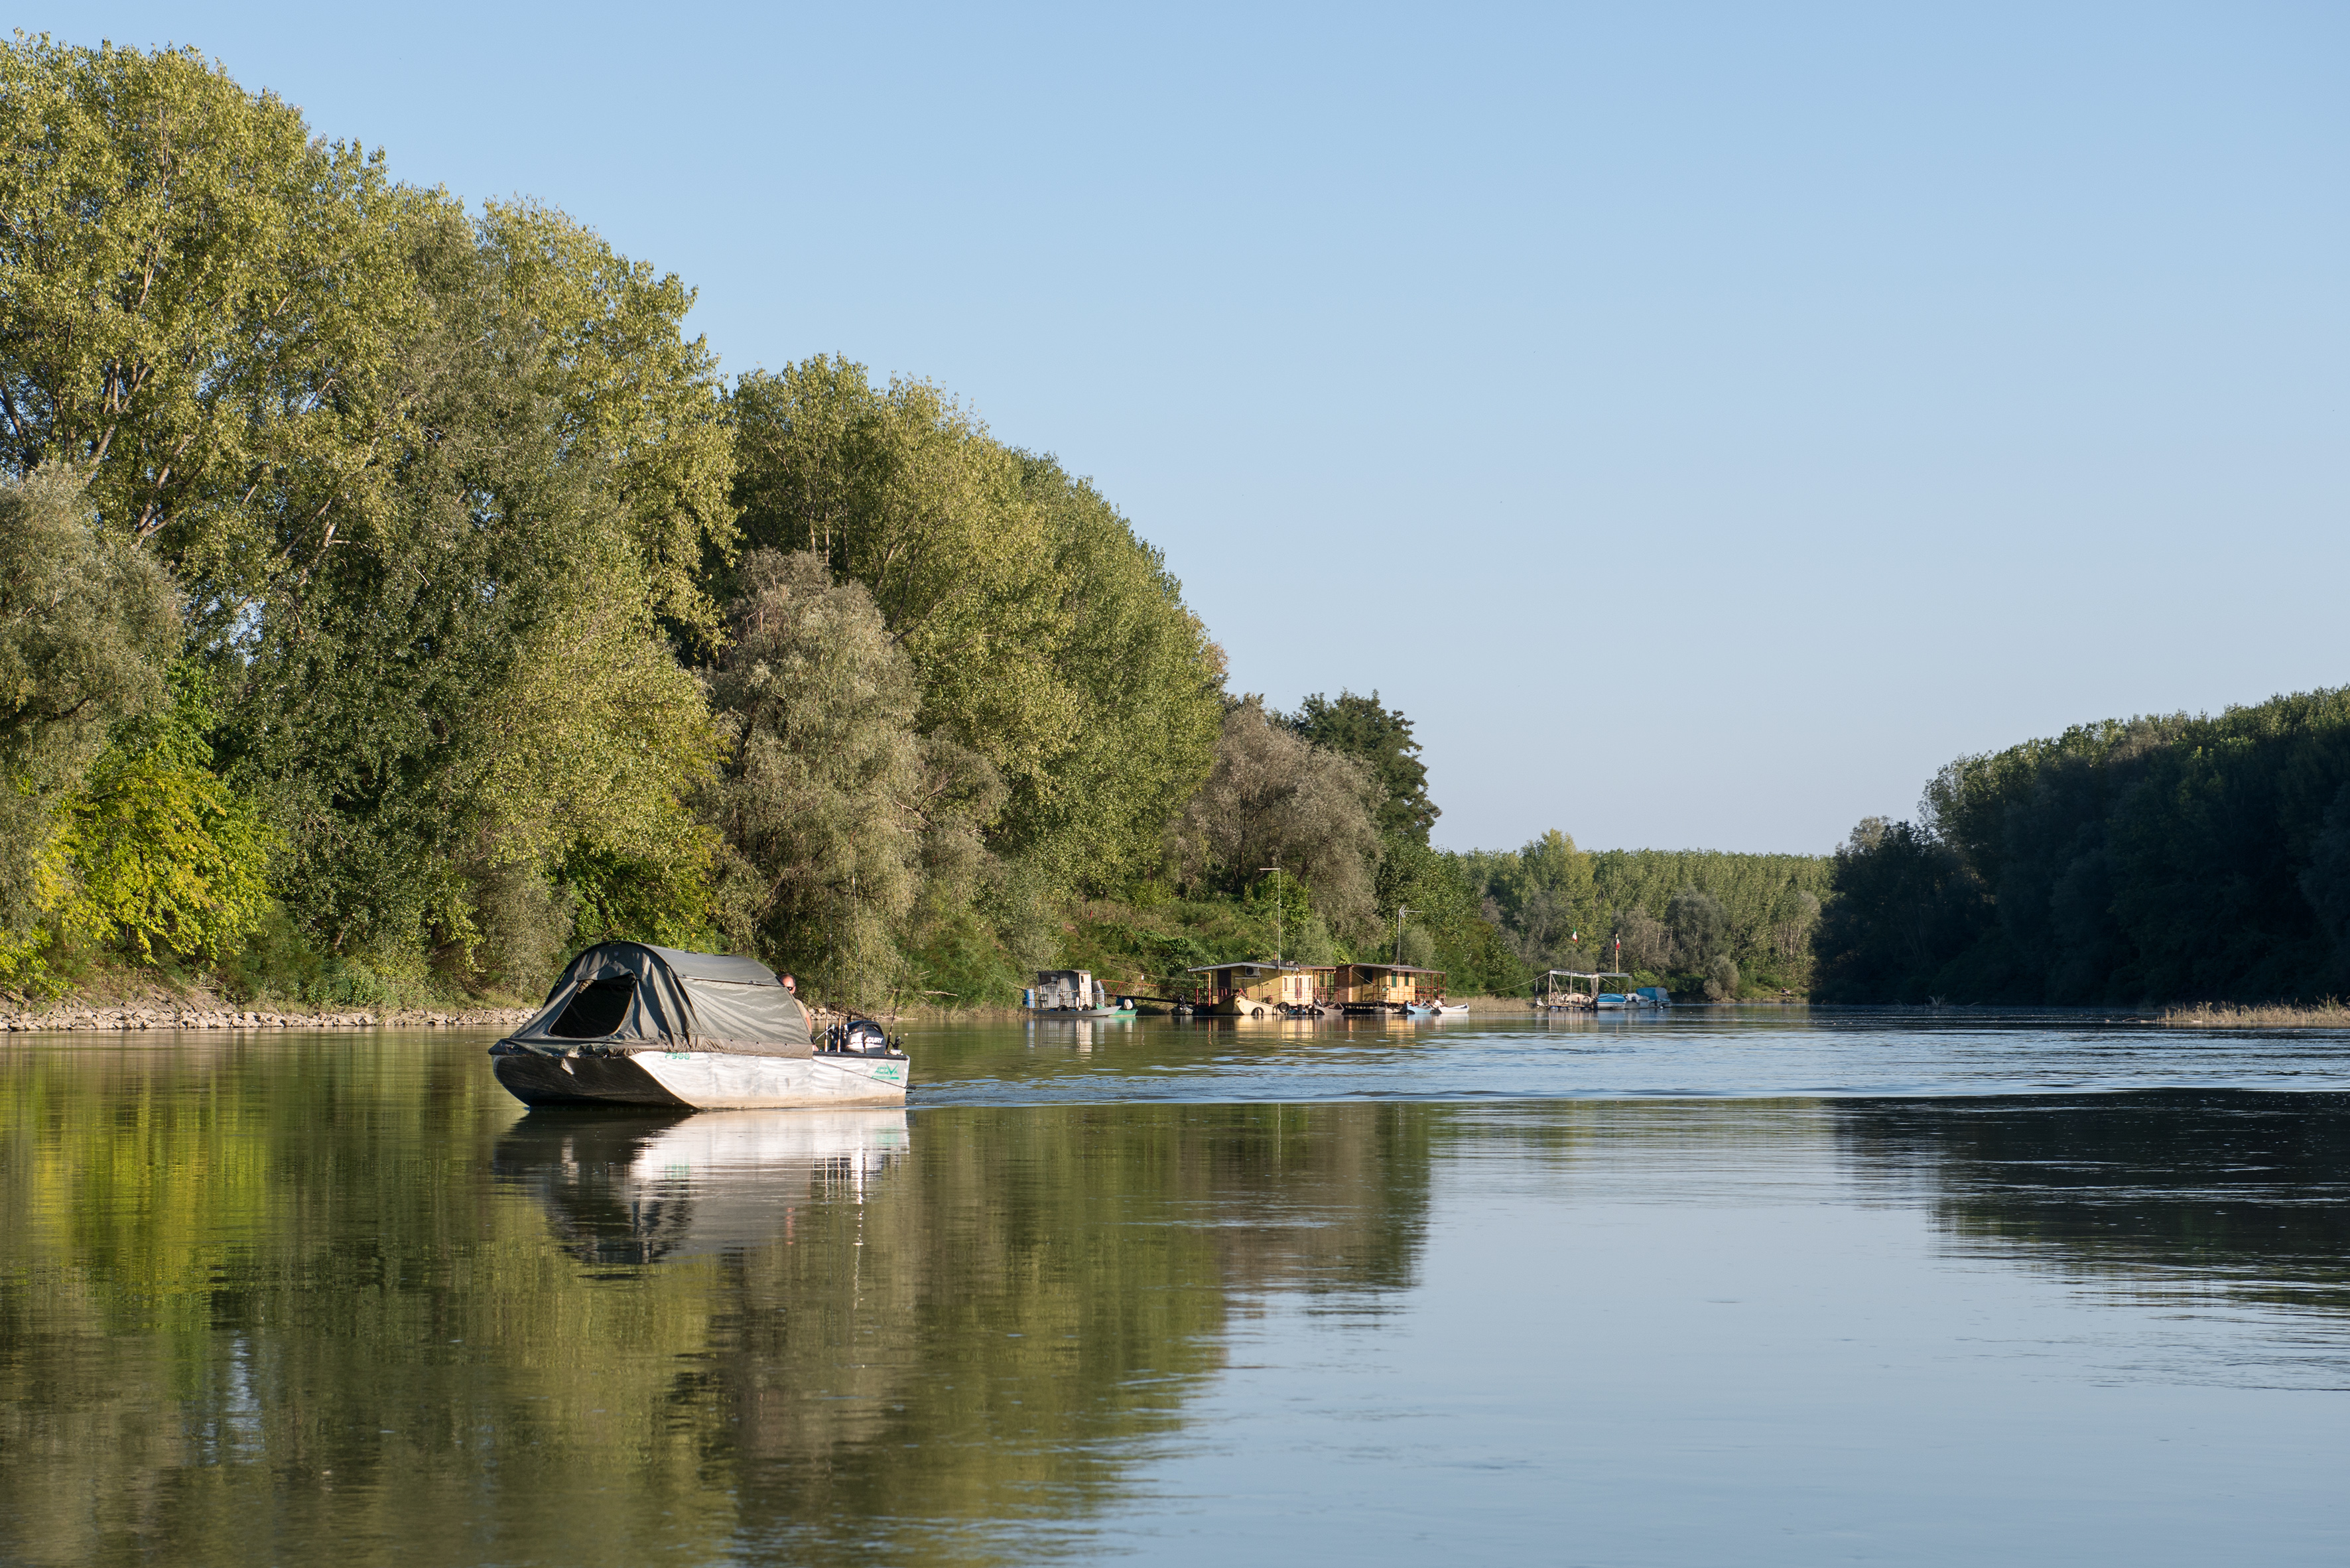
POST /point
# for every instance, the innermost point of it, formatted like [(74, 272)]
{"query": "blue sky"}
[(1704, 420)]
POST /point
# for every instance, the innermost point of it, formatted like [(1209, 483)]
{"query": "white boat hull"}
[(704, 1080)]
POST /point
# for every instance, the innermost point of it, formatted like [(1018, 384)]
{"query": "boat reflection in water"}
[(625, 1189), (1084, 1034)]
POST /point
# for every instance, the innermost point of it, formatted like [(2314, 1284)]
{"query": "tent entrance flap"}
[(597, 1009)]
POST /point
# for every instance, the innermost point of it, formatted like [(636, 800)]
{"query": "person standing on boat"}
[(793, 987)]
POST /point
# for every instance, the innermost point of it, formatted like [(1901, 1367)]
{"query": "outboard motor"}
[(858, 1037)]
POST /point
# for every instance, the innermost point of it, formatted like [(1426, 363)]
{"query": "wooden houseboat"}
[(1387, 987), (1259, 988)]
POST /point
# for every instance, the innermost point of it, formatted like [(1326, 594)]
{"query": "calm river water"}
[(1705, 1289)]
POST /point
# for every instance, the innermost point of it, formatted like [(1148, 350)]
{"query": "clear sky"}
[(1703, 420)]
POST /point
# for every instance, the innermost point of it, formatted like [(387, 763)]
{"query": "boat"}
[(632, 1024), (1573, 997), (1073, 993)]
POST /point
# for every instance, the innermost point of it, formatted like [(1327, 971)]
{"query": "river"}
[(1752, 1287)]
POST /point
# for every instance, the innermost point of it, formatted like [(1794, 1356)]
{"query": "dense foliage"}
[(479, 585), (2136, 860), (397, 598), (1702, 922)]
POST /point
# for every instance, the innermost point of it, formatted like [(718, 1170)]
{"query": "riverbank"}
[(124, 1019), (178, 1013), (2327, 1015)]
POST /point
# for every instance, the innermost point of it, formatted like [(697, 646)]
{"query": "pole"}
[(1401, 910), (1276, 914)]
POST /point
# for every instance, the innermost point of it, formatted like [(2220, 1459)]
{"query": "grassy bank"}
[(2326, 1014)]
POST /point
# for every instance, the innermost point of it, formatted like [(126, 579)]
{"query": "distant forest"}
[(2139, 860), (393, 599)]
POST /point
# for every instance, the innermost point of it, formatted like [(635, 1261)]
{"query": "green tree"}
[(1274, 800), (1380, 739), (1146, 687), (831, 805), (630, 391), (204, 307), (164, 854), (1701, 929), (1904, 904), (86, 626), (902, 489), (471, 693)]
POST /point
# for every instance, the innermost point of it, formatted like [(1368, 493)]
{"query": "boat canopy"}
[(631, 996)]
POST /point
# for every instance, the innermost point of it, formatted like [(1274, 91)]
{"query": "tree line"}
[(2148, 859), (396, 598)]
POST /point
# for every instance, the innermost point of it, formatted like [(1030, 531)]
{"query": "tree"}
[(1380, 739), (634, 395), (1543, 898), (1146, 685), (470, 693), (903, 491), (1722, 979), (87, 626), (204, 308), (832, 807), (1274, 800), (1647, 942), (1701, 929), (1904, 905), (164, 854)]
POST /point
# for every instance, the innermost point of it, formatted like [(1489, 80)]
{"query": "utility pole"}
[(1277, 912), (1401, 910)]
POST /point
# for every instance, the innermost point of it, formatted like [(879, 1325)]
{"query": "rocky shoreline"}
[(122, 1019), (130, 1020)]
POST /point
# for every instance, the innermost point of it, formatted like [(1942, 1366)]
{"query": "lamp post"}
[(1401, 910)]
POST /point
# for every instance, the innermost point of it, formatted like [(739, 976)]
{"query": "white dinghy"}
[(630, 1025)]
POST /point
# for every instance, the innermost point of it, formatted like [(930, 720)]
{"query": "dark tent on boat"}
[(627, 996)]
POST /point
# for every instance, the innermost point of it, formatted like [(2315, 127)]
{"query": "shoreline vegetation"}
[(160, 1014), (2327, 1015), (2199, 863), (394, 600)]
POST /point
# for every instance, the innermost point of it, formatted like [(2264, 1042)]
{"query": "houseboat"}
[(1396, 988), (1260, 988)]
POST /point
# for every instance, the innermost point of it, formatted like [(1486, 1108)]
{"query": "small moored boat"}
[(1073, 994), (632, 1024)]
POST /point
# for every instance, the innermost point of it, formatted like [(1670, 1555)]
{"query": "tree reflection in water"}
[(347, 1302), (2202, 1191)]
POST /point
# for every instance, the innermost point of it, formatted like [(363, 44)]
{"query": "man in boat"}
[(793, 987)]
